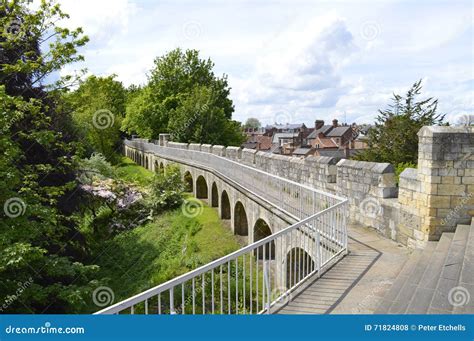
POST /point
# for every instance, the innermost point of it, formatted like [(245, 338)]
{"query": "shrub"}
[(400, 167), (94, 168), (166, 190)]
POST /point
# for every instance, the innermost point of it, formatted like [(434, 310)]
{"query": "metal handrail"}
[(318, 239)]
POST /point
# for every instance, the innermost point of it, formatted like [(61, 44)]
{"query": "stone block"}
[(233, 153), (438, 201), (207, 148), (218, 150), (445, 189), (468, 180), (194, 146)]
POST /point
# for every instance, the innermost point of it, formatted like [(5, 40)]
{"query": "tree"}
[(98, 109), (394, 138), (466, 120), (253, 123), (174, 79), (199, 119), (41, 250)]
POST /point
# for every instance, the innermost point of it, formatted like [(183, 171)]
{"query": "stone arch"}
[(297, 266), (188, 182), (201, 188), (214, 196), (241, 226), (146, 162), (225, 205), (262, 230)]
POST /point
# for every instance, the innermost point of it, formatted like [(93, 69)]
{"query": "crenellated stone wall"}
[(439, 194), (429, 200)]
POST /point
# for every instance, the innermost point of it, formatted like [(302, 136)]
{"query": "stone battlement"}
[(429, 200)]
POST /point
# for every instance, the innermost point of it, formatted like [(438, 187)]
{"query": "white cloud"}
[(310, 59)]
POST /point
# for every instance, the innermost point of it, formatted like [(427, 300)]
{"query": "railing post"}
[(344, 227), (266, 279), (318, 253), (172, 311)]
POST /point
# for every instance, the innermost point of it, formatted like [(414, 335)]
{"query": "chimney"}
[(334, 123), (318, 124)]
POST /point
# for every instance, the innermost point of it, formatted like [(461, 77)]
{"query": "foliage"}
[(169, 246), (98, 109), (39, 242), (94, 168), (164, 104), (252, 122), (200, 119), (400, 167), (166, 190), (394, 138)]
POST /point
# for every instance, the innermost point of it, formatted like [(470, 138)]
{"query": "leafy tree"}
[(200, 119), (252, 122), (145, 115), (176, 78), (394, 138), (41, 249), (98, 110)]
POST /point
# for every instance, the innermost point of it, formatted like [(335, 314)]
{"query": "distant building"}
[(340, 141), (258, 142)]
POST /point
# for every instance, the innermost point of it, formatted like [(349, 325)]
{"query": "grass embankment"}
[(168, 246)]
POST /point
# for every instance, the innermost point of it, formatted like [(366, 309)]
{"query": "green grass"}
[(169, 246), (129, 171)]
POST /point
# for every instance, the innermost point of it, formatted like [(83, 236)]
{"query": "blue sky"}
[(294, 61)]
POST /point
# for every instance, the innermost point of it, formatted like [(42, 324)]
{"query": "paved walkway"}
[(357, 283)]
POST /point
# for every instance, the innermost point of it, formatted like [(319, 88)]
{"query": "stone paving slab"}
[(357, 283)]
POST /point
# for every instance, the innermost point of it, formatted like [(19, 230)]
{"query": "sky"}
[(293, 61)]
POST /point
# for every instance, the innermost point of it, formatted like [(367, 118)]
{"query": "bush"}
[(400, 167), (166, 190), (94, 168)]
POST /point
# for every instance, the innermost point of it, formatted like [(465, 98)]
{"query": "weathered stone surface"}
[(429, 200), (218, 150)]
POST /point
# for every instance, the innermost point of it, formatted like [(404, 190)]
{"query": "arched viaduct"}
[(248, 215)]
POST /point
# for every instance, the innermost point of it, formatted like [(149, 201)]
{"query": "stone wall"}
[(429, 200), (439, 194)]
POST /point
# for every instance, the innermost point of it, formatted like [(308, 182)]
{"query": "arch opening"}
[(214, 196), (298, 264), (262, 230), (241, 227), (201, 188), (225, 206)]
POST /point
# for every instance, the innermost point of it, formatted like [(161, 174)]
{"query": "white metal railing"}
[(261, 276)]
